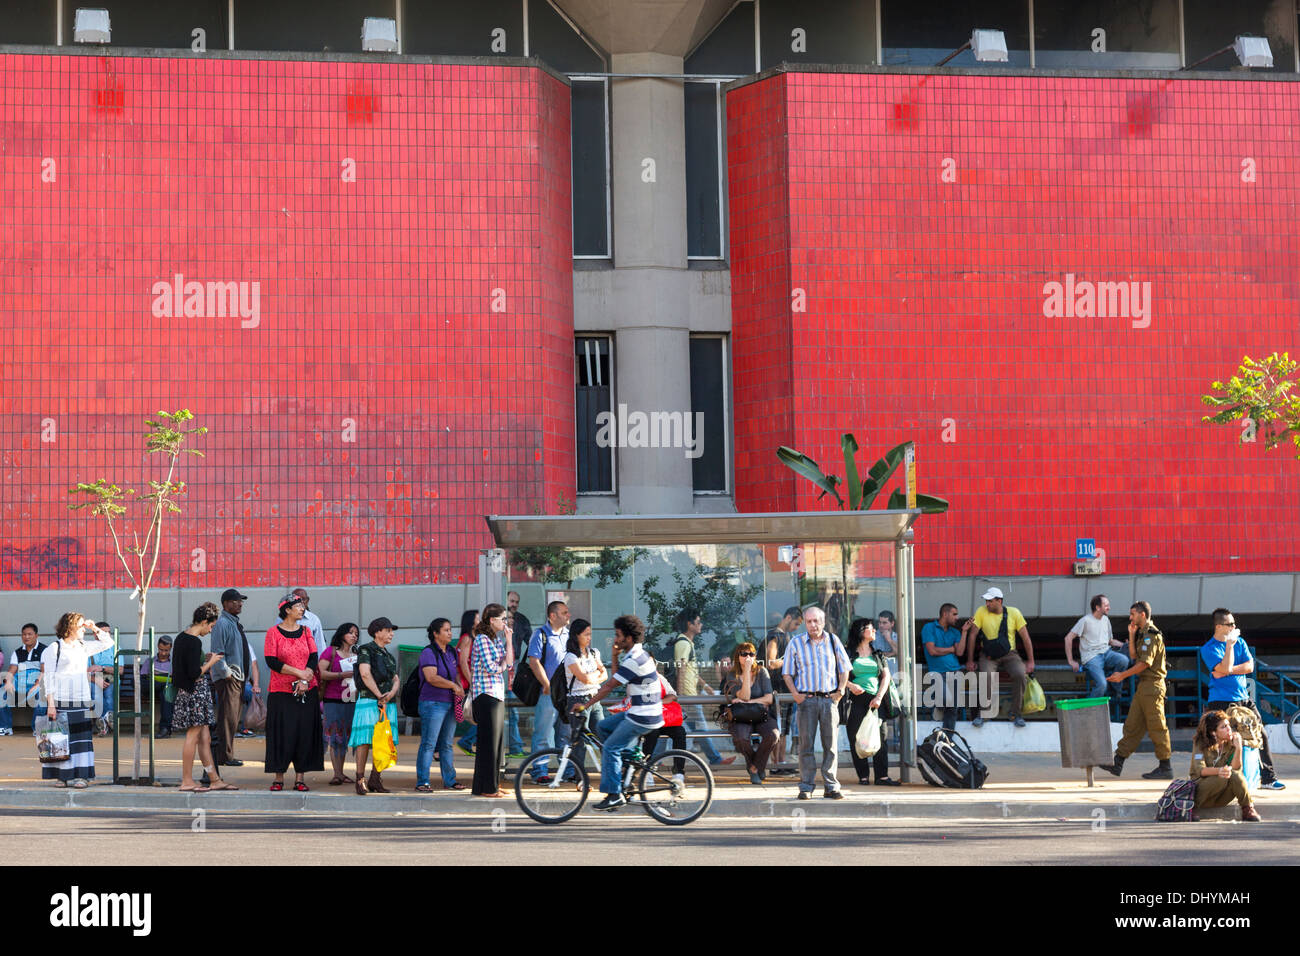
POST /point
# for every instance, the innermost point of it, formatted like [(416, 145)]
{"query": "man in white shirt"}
[(1097, 657), (311, 621)]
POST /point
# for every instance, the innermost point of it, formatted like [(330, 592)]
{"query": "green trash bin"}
[(1084, 726)]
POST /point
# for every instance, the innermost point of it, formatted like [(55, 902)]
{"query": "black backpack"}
[(410, 701), (946, 760), (1000, 646)]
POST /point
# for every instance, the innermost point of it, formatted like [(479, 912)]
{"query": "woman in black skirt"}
[(293, 718), (67, 691), (491, 659), (193, 712)]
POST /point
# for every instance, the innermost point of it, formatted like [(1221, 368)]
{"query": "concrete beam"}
[(660, 26)]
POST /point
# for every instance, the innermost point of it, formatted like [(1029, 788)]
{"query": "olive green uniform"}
[(1218, 791), (1146, 715)]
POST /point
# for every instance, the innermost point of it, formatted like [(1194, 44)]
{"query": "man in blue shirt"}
[(545, 657), (1229, 661), (944, 646)]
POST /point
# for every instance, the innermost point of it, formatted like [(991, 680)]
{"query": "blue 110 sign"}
[(1085, 549)]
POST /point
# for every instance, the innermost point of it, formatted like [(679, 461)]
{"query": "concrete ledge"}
[(772, 804)]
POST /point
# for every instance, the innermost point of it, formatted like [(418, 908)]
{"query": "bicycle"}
[(1293, 728), (650, 782)]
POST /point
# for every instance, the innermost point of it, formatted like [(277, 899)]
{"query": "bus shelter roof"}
[(585, 531)]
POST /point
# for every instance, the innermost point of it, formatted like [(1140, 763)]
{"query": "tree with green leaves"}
[(710, 591), (1262, 399), (167, 435), (862, 492)]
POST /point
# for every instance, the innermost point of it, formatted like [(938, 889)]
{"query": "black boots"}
[(1162, 772), (1117, 767)]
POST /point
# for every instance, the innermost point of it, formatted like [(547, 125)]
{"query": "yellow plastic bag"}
[(1035, 700), (382, 741)]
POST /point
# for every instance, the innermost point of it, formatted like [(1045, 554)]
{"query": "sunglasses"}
[(747, 654)]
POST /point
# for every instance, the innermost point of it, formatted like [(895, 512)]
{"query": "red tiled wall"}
[(925, 306), (376, 309)]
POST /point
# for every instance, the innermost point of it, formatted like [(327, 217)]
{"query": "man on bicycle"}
[(636, 669)]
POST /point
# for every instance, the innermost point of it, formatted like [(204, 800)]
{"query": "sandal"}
[(301, 787), (278, 785), (424, 788), (79, 784), (224, 786), (194, 789), (456, 786), (336, 781)]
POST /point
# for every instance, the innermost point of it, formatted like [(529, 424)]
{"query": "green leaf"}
[(881, 472), (849, 445), (926, 504), (803, 465)]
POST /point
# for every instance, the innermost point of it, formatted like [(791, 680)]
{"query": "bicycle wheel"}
[(1293, 728), (670, 798), (556, 801)]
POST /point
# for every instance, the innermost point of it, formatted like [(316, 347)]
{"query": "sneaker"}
[(679, 784), (232, 762), (6, 731), (612, 802), (723, 761), (1020, 721), (1251, 815), (246, 733), (805, 794), (543, 779), (1271, 785), (467, 751), (754, 779), (977, 722), (517, 755), (782, 772), (833, 795)]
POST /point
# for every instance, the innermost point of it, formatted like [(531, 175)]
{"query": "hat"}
[(288, 599), (378, 624), (992, 593), (232, 594)]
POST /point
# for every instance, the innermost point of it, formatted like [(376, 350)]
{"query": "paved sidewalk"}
[(1020, 786)]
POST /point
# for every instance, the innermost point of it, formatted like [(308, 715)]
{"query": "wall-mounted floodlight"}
[(989, 46), (1252, 53), (379, 35), (91, 26)]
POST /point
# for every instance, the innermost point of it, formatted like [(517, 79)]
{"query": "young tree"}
[(1262, 398), (166, 435)]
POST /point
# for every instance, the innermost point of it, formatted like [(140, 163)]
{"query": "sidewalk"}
[(1020, 786)]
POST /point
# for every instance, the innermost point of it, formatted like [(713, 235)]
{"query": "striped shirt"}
[(637, 670), (488, 667), (815, 666)]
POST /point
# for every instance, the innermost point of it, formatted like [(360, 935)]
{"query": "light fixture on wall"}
[(1252, 53), (379, 35), (989, 46), (91, 26)]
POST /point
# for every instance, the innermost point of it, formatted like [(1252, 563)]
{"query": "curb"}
[(773, 808)]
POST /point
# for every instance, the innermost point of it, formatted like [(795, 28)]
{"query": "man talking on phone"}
[(1229, 661)]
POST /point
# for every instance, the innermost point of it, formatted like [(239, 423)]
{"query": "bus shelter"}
[(740, 572)]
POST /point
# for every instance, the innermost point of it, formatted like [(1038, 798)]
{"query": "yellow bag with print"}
[(1035, 700), (382, 741)]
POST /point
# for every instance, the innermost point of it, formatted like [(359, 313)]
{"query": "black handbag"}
[(746, 712)]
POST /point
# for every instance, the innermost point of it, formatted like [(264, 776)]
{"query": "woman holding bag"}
[(748, 688), (334, 670), (64, 667), (491, 659), (377, 686), (868, 683)]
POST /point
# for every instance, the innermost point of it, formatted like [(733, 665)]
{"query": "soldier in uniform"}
[(1146, 648)]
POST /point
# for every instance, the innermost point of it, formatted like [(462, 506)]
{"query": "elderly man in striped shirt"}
[(816, 671)]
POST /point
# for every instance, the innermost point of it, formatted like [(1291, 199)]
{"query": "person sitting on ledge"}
[(1216, 766)]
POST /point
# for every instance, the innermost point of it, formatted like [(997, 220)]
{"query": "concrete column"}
[(649, 299), (647, 122)]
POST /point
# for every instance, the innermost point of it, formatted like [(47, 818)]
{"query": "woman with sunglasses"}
[(748, 690)]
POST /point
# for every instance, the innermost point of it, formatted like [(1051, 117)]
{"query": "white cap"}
[(992, 593)]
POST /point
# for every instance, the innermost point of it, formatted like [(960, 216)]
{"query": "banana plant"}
[(862, 492)]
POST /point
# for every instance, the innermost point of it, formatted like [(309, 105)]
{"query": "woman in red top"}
[(293, 715), (468, 623)]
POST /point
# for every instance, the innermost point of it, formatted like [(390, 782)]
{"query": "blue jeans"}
[(549, 730), (1100, 667), (437, 727), (617, 734), (471, 736), (515, 743), (6, 716)]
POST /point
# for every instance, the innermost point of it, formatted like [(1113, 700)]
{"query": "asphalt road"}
[(80, 838)]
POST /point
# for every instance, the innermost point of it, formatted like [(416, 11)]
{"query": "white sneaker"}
[(679, 784)]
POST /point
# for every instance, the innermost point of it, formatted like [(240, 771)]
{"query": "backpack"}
[(946, 760), (680, 667), (560, 688), (1177, 803), (1000, 646), (410, 699)]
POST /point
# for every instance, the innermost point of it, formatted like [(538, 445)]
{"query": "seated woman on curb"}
[(1216, 766)]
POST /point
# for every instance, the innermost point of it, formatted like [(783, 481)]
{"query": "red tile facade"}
[(406, 230), (923, 220)]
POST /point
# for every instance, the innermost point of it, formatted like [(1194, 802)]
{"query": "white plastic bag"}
[(867, 741), (53, 744)]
